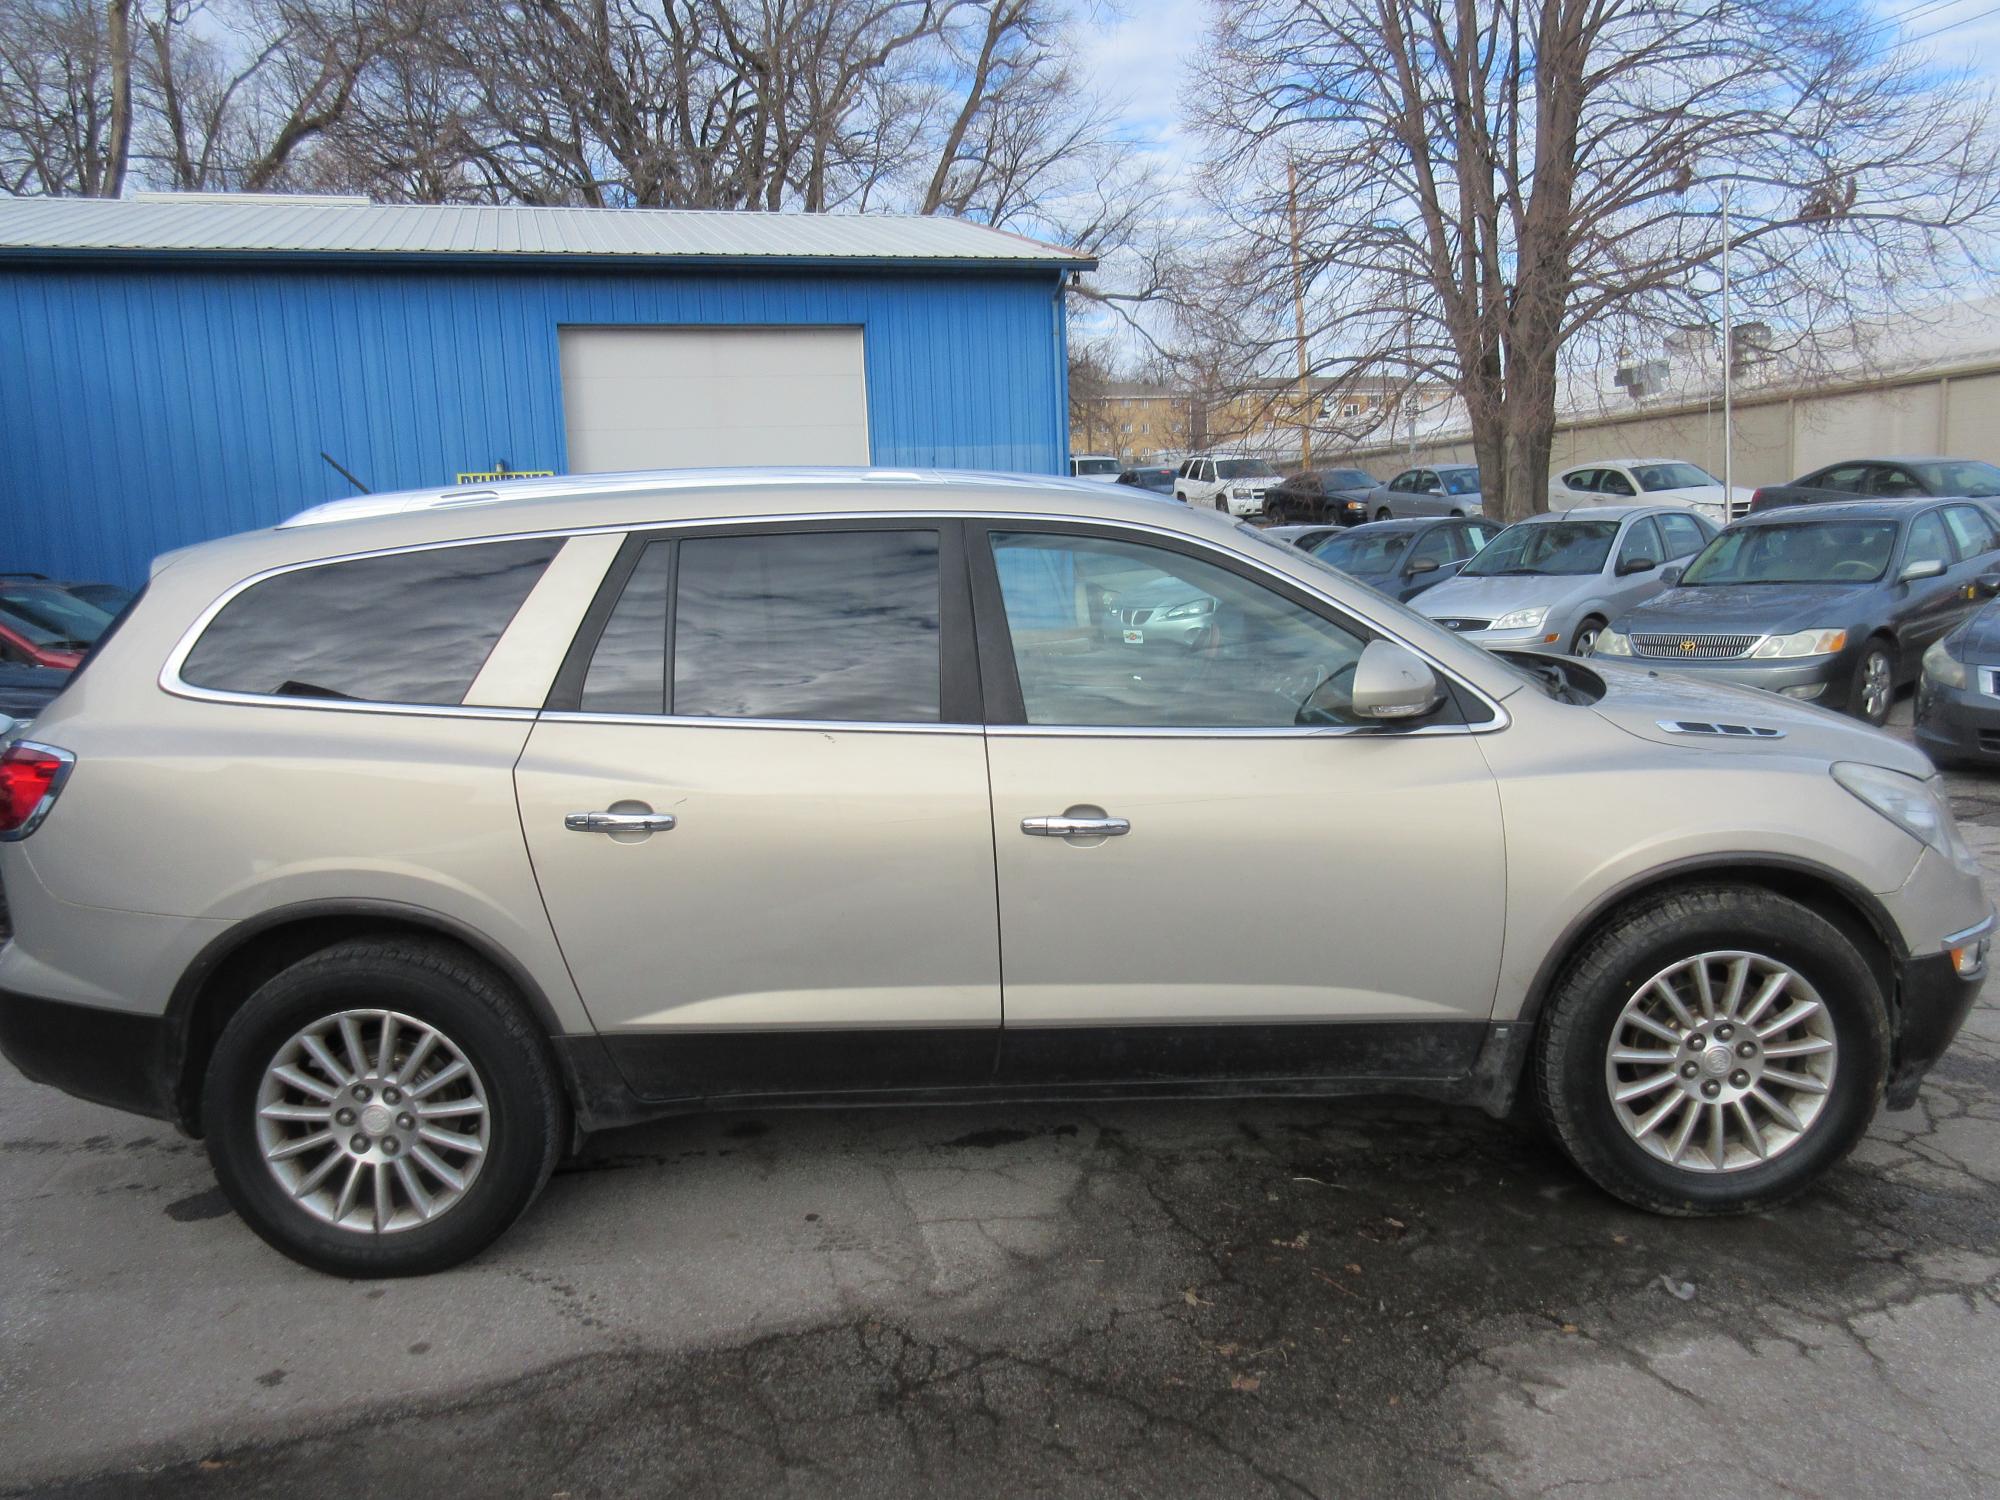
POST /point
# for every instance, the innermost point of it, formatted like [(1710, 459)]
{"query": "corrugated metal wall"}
[(144, 407)]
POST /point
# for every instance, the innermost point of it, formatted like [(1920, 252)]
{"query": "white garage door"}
[(676, 398)]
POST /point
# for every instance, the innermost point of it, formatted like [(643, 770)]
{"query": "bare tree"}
[(1488, 188), (65, 106)]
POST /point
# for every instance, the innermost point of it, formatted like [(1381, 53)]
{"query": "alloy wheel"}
[(1586, 641), (373, 1121), (1877, 686), (1721, 1061)]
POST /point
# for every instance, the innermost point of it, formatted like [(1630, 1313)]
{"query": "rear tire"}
[(382, 996), (1576, 1072)]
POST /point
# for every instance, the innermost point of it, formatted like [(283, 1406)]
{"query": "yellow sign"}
[(488, 477)]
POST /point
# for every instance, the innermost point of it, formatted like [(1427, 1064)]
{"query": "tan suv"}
[(394, 847)]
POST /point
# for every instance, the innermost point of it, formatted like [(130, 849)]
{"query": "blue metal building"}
[(174, 369)]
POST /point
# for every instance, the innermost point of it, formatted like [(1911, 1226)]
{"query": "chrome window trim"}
[(48, 800), (823, 726), (170, 680)]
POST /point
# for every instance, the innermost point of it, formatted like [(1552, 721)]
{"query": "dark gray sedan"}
[(1404, 558), (1958, 694), (1834, 604)]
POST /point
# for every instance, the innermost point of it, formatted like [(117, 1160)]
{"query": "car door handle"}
[(1065, 827), (612, 822)]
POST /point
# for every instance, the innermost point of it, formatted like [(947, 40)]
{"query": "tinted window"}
[(808, 625), (1403, 482), (1684, 535), (1461, 481), (52, 617), (1892, 482), (1641, 542), (1434, 548), (1364, 554), (628, 671), (1928, 542), (1847, 478), (413, 627), (1241, 468), (1479, 533), (1614, 483), (1120, 634), (1970, 529), (1580, 479), (1675, 476)]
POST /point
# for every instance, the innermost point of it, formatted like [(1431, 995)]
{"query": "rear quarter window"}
[(409, 627)]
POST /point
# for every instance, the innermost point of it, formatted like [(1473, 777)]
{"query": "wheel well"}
[(1873, 935), (216, 988)]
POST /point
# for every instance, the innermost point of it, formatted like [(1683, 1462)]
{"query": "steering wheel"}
[(1852, 567), (1341, 679)]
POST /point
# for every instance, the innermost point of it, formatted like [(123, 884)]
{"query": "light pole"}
[(1728, 370)]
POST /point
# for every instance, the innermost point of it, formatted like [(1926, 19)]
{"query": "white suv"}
[(1225, 482), (391, 848)]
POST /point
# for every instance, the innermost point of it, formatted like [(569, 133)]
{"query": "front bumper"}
[(1932, 1001), (109, 1057), (1548, 640), (1958, 724), (1813, 679)]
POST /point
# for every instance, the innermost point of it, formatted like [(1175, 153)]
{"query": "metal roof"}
[(291, 226)]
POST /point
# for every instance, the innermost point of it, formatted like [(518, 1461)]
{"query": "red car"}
[(44, 625)]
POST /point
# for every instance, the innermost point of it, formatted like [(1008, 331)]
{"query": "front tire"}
[(1584, 642), (1712, 1050), (385, 1107), (1382, 513), (1873, 692), (1222, 504)]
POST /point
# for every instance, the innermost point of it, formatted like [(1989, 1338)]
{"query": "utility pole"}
[(1728, 371), (1299, 317)]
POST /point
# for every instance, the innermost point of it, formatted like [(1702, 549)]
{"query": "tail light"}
[(31, 778), (1757, 497)]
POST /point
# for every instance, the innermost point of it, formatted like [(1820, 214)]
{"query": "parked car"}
[(44, 625), (1093, 466), (1445, 490), (1884, 479), (1225, 482), (1659, 481), (1321, 495), (1958, 693), (26, 691), (1405, 558), (447, 856), (1157, 478), (109, 597), (1551, 582), (1834, 604), (1307, 537)]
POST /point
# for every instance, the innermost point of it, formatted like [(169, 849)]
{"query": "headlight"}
[(1357, 505), (1521, 619), (1802, 643), (1190, 611), (1611, 643), (1916, 807), (1943, 668)]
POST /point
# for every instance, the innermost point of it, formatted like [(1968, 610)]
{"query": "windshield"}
[(1240, 468), (1545, 548), (1364, 556), (50, 617), (1672, 477), (1460, 481), (1348, 479), (1804, 552), (1960, 477)]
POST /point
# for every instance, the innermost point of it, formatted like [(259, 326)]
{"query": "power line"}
[(1991, 10)]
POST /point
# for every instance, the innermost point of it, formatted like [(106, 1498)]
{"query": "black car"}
[(1338, 496), (26, 691), (1403, 558), (1834, 604), (1159, 478), (1958, 694), (1885, 479)]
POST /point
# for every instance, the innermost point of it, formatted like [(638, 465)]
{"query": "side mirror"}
[(1988, 584), (1423, 565), (1671, 576), (1392, 682), (1930, 567), (1639, 564)]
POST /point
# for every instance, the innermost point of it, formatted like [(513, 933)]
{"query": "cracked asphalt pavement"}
[(1285, 1299)]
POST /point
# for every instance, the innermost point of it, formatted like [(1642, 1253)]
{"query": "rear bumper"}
[(106, 1056)]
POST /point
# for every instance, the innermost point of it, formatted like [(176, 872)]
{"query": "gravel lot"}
[(1198, 1299)]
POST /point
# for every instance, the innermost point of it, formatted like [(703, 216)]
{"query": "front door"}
[(1208, 867), (758, 812)]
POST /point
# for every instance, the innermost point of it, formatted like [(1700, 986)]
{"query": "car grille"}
[(1135, 616), (1693, 647), (1464, 624)]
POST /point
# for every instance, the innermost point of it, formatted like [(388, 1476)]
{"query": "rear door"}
[(757, 807), (1160, 788)]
